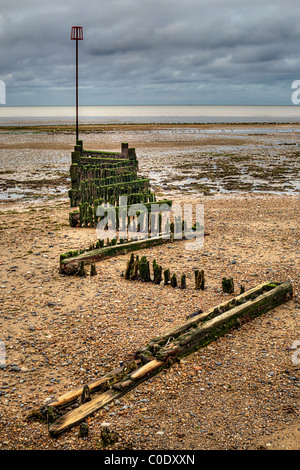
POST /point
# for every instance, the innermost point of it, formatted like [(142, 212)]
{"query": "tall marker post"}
[(77, 35)]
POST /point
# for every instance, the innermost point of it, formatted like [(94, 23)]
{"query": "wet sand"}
[(196, 159), (240, 392)]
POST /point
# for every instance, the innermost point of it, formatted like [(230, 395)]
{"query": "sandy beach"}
[(240, 392)]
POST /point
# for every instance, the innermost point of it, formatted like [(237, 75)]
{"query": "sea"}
[(173, 114)]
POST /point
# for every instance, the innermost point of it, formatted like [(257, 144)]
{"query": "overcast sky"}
[(150, 51)]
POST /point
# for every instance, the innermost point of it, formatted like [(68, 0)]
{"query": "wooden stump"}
[(183, 281), (135, 270), (86, 395), (129, 267), (157, 274), (174, 280), (228, 285), (83, 430), (144, 269), (199, 279), (167, 278), (81, 271), (93, 269)]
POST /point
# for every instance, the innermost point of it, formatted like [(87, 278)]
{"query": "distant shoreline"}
[(100, 127), (150, 114)]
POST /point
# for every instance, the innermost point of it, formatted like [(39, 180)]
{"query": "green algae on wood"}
[(129, 267), (70, 265), (192, 339), (189, 339), (157, 272), (173, 280), (144, 269), (167, 278), (183, 281)]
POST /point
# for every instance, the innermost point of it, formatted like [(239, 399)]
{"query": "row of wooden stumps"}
[(139, 269), (82, 270), (160, 353)]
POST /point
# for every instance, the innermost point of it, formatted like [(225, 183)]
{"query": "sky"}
[(150, 52)]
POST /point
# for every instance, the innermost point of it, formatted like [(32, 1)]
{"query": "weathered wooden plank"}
[(71, 265), (215, 311), (195, 338), (257, 301), (76, 416), (96, 385), (146, 369)]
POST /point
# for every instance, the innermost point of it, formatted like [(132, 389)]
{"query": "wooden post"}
[(174, 280), (135, 271), (199, 280), (157, 271), (129, 267), (228, 285), (166, 277), (81, 271), (144, 269), (183, 282), (93, 269), (86, 395)]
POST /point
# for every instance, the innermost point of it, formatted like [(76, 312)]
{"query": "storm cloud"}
[(150, 52)]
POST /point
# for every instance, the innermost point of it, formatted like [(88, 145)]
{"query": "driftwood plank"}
[(98, 385), (76, 416), (215, 311), (148, 368), (195, 338), (191, 337), (71, 265), (94, 386)]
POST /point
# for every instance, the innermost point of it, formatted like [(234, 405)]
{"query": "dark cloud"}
[(151, 52)]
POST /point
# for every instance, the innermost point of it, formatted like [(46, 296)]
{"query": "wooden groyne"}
[(160, 353)]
